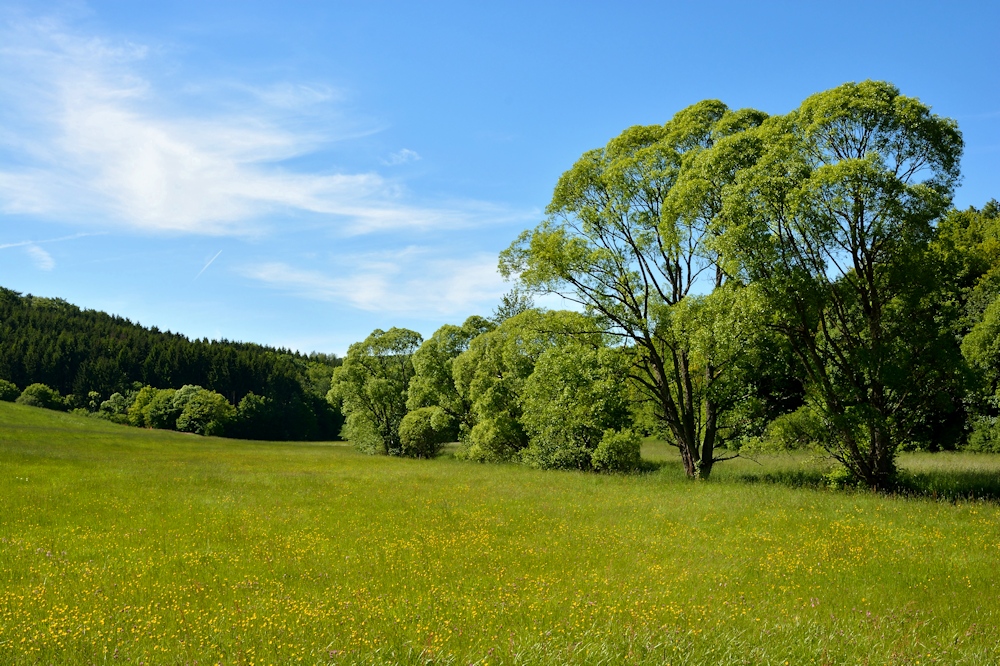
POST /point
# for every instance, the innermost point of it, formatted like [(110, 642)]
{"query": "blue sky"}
[(298, 174)]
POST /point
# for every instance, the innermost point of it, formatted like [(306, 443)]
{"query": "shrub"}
[(114, 409), (40, 395), (116, 404), (840, 477), (423, 431), (161, 412), (255, 418), (8, 391), (140, 403), (572, 398), (203, 412), (617, 452), (985, 436), (796, 430)]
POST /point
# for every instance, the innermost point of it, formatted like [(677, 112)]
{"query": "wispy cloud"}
[(43, 260), (84, 135), (402, 157), (413, 281)]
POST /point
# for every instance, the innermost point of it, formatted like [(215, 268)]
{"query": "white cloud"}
[(88, 138), (402, 157), (43, 260), (412, 281), (288, 95)]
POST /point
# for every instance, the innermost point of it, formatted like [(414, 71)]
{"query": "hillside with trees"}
[(101, 363)]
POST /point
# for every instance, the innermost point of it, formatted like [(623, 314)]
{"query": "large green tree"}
[(433, 383), (831, 223), (625, 243), (371, 388)]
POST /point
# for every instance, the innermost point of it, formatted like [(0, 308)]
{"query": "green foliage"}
[(630, 230), (116, 404), (619, 451), (424, 431), (137, 411), (162, 411), (840, 477), (8, 391), (371, 387), (40, 395), (982, 346), (492, 373), (801, 429), (115, 409), (514, 302), (433, 383), (202, 412), (968, 245), (971, 239), (830, 218), (985, 435), (255, 416), (80, 352), (573, 397)]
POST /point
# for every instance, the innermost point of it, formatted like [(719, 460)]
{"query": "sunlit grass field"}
[(119, 545)]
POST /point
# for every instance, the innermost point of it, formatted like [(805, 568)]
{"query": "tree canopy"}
[(371, 385), (618, 242), (832, 224)]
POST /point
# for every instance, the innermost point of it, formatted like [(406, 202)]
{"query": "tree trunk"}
[(708, 445), (690, 463)]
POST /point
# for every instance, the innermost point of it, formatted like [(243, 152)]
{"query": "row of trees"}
[(90, 357), (739, 278), (189, 409), (514, 388)]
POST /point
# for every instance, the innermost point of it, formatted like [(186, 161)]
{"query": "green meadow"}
[(129, 546)]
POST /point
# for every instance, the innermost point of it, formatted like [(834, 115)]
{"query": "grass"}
[(120, 545)]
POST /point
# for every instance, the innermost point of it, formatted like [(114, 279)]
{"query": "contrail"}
[(51, 240), (207, 265)]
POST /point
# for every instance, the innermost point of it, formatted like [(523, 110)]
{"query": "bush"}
[(140, 404), (256, 418), (116, 404), (161, 412), (800, 429), (840, 477), (114, 409), (985, 436), (8, 391), (423, 431), (617, 452), (40, 395), (572, 398), (203, 412)]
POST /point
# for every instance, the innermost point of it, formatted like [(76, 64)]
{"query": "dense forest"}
[(88, 357)]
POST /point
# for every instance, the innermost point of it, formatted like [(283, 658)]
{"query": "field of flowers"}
[(120, 545)]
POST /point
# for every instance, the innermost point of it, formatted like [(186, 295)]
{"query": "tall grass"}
[(120, 545)]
